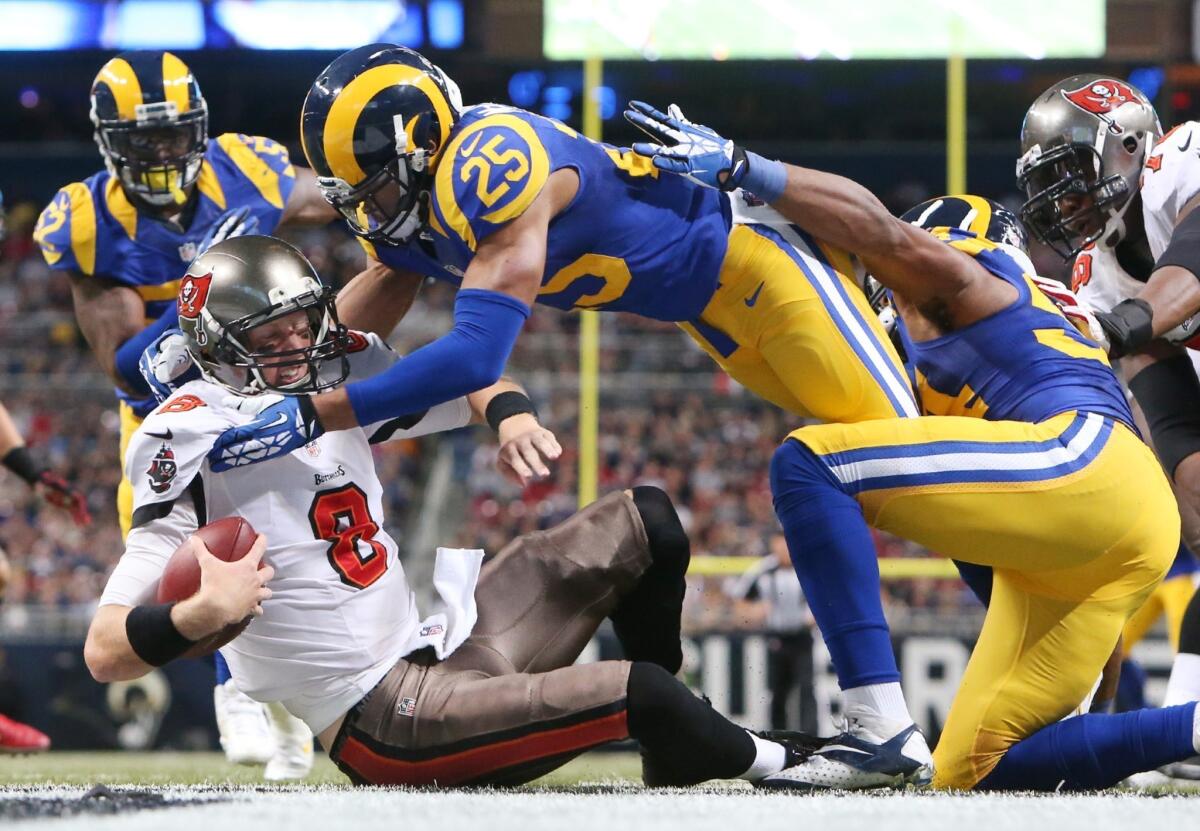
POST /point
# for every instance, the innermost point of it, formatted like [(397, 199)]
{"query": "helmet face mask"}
[(1070, 204), (151, 125), (248, 282), (1083, 145), (387, 206), (236, 365)]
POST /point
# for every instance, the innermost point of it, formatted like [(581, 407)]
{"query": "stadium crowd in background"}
[(707, 447)]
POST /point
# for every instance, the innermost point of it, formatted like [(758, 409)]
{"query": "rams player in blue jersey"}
[(127, 234), (1030, 465), (516, 208)]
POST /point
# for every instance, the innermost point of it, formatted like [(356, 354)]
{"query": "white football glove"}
[(166, 364), (1074, 309)]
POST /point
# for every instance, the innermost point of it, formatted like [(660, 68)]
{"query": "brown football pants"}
[(507, 706)]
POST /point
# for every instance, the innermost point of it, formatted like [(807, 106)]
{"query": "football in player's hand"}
[(228, 539)]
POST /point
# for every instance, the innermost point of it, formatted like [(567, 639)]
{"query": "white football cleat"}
[(242, 725), (870, 752), (293, 757)]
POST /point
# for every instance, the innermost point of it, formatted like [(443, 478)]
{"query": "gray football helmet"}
[(1083, 144), (245, 282)]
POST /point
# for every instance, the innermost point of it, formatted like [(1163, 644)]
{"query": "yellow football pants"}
[(129, 423), (789, 324), (1074, 515), (1170, 599)]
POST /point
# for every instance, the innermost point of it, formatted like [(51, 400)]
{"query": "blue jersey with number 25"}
[(630, 241)]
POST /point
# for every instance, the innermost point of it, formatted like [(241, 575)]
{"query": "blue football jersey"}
[(631, 240), (92, 228), (1024, 363)]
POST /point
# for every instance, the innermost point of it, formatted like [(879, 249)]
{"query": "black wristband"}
[(20, 462), (153, 636), (507, 404), (1129, 326)]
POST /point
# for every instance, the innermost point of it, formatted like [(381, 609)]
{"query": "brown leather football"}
[(228, 539)]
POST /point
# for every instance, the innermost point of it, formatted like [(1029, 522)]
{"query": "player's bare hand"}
[(526, 449), (231, 592)]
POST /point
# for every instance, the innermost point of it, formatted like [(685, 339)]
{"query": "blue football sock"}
[(1095, 751), (1131, 688), (834, 557), (223, 673)]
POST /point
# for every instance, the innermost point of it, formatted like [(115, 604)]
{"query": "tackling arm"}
[(109, 315), (378, 298), (906, 259), (1171, 295), (497, 290)]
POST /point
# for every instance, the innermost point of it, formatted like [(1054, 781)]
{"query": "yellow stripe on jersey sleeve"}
[(260, 174), (209, 185), (83, 227), (165, 291), (120, 208)]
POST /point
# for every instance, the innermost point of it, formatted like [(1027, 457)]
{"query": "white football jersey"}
[(1170, 178), (341, 612)]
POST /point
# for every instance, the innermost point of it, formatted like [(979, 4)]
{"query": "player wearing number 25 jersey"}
[(515, 208)]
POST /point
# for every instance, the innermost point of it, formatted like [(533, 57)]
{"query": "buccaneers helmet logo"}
[(1102, 97), (162, 469), (193, 292)]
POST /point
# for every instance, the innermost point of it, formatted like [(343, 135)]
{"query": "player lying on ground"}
[(482, 691), (513, 208), (1031, 466)]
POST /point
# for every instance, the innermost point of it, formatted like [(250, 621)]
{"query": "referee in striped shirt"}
[(769, 596)]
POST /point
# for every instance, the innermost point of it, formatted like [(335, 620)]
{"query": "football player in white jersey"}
[(483, 688), (1105, 186)]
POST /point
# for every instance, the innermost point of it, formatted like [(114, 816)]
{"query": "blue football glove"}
[(233, 223), (284, 423), (692, 150), (167, 365)]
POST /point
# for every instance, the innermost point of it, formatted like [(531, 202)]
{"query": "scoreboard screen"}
[(813, 29), (216, 24)]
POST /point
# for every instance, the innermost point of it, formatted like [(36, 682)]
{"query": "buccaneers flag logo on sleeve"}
[(1102, 97), (193, 292), (162, 469)]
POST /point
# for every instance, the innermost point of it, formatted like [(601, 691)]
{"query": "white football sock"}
[(886, 700), (769, 757), (1184, 684)]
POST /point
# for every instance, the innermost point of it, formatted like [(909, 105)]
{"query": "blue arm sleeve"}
[(130, 352), (469, 357)]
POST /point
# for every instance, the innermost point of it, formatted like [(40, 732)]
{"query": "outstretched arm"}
[(498, 288), (833, 208)]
